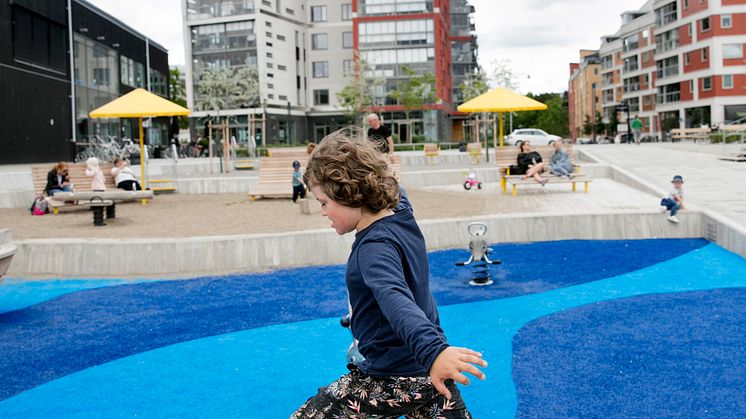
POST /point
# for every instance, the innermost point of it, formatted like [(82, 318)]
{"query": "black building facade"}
[(110, 59)]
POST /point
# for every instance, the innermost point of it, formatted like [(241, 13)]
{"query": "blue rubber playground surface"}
[(640, 328)]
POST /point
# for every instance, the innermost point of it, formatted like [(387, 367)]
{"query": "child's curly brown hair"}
[(352, 172)]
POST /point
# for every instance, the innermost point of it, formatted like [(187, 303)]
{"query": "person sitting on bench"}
[(561, 165), (529, 164), (58, 180), (124, 177)]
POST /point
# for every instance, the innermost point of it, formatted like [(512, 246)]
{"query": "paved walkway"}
[(709, 182)]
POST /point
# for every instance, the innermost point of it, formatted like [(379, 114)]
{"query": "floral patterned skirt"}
[(357, 395)]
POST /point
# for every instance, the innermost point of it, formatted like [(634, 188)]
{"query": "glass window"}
[(318, 13), (320, 69), (705, 24), (348, 68), (321, 97), (707, 83), (282, 67), (280, 37), (728, 81), (347, 40), (704, 54), (205, 9), (319, 41), (347, 11), (726, 21), (38, 41), (732, 51)]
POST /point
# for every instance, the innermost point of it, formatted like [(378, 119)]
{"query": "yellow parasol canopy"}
[(139, 103), (501, 100)]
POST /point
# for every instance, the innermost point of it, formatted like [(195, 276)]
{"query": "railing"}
[(665, 18), (664, 46), (669, 97), (669, 71), (631, 67)]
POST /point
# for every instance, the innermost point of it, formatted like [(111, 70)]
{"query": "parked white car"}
[(534, 136)]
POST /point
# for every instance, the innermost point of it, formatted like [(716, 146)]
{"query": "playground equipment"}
[(471, 181), (353, 354), (479, 255)]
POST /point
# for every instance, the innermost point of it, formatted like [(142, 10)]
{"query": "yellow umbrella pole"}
[(501, 129), (142, 160)]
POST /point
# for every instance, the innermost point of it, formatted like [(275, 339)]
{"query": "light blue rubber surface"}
[(268, 372)]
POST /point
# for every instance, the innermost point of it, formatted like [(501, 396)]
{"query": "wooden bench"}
[(690, 134), (474, 150), (507, 156), (276, 173), (99, 201), (80, 182), (162, 185), (431, 151), (244, 164)]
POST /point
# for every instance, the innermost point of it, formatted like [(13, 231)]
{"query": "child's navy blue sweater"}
[(394, 315)]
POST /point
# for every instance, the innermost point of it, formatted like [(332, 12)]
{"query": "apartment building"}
[(305, 52), (677, 64), (584, 92)]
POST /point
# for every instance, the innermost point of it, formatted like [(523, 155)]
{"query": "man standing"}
[(636, 129), (381, 136)]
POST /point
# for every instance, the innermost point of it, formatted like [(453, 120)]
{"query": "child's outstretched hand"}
[(450, 364)]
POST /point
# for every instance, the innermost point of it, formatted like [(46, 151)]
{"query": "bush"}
[(729, 138), (419, 139)]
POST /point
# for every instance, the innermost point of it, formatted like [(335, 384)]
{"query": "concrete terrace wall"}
[(223, 254)]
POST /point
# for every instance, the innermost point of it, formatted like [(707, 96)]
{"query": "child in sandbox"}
[(409, 368)]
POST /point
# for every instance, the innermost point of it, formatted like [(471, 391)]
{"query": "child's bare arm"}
[(451, 364)]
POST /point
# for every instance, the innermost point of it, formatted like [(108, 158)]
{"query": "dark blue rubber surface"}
[(82, 329), (679, 355)]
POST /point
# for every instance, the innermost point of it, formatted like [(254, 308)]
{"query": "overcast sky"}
[(539, 37)]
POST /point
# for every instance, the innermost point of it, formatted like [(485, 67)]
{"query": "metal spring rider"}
[(479, 255)]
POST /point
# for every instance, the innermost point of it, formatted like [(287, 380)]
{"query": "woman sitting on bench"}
[(529, 164), (123, 176), (58, 180)]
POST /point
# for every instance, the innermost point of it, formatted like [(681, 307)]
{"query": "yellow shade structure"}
[(501, 100), (140, 104)]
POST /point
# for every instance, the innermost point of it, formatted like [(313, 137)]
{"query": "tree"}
[(552, 120), (502, 74), (414, 92), (356, 98), (229, 88), (474, 84), (177, 94)]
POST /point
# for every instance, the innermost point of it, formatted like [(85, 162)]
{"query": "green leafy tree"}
[(356, 98), (177, 93), (474, 84), (414, 92), (553, 120), (229, 88)]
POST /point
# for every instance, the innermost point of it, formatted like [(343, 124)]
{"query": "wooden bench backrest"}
[(733, 128), (508, 155), (76, 171), (474, 148), (688, 131), (287, 152), (430, 149)]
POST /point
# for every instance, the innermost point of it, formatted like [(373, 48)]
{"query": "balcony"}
[(628, 67), (668, 97), (665, 18), (664, 46), (631, 87), (669, 71)]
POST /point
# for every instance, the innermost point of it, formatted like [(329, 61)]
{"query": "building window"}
[(282, 97), (268, 23), (686, 4), (726, 21), (347, 40), (320, 69), (38, 41), (280, 37), (270, 75), (732, 51), (727, 81), (282, 68), (686, 58), (318, 13), (266, 3), (321, 97), (704, 55), (269, 55), (707, 83), (347, 11), (319, 41), (348, 68), (705, 24), (290, 11), (689, 25), (270, 85), (269, 34), (270, 65), (270, 96)]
